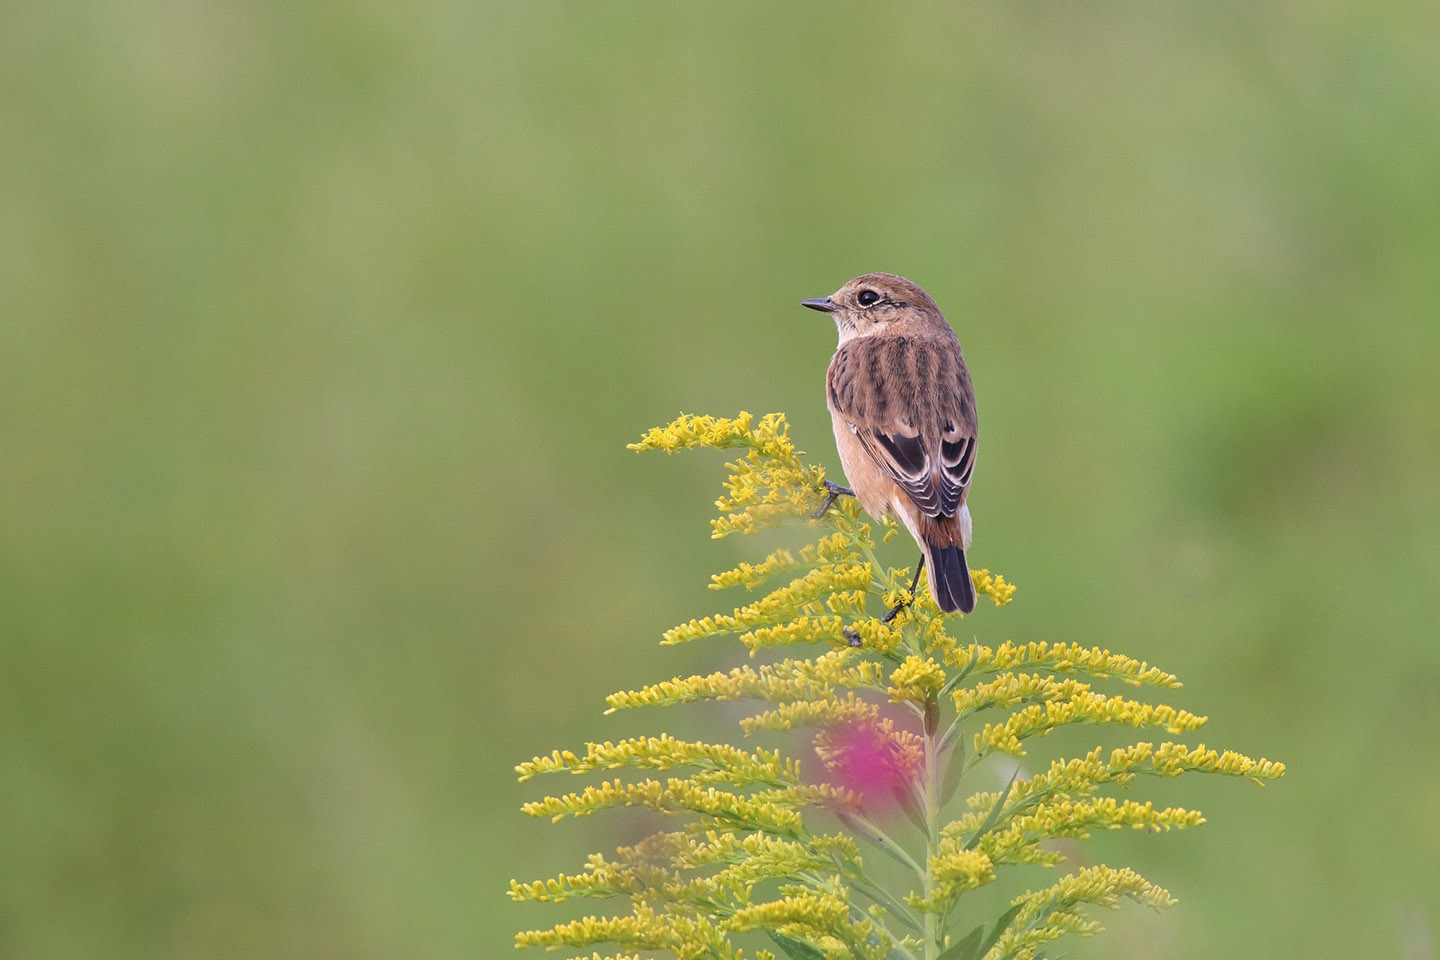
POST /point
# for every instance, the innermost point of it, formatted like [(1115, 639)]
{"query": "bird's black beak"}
[(823, 304)]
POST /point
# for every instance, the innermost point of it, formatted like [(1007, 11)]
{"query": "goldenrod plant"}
[(864, 856)]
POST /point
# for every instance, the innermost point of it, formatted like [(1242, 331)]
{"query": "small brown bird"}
[(904, 415)]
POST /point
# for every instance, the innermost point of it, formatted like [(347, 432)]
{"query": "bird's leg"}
[(913, 584), (836, 492)]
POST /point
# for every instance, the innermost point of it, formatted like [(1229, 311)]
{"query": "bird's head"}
[(878, 303)]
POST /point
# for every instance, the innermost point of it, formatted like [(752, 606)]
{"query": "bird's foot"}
[(835, 493), (895, 610)]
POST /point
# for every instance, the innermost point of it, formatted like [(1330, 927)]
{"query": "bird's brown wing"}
[(910, 404)]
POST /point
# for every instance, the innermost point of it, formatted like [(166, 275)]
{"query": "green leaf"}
[(954, 767), (857, 828), (967, 949), (796, 949), (959, 677), (905, 796), (995, 811), (998, 929)]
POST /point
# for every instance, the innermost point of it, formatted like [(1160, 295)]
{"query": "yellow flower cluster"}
[(1048, 914), (1173, 759), (717, 762), (820, 915), (954, 870), (1011, 688), (601, 879), (768, 485), (835, 548), (872, 634), (773, 810), (689, 936), (811, 713), (1082, 776), (1018, 841), (644, 930), (808, 912), (1040, 718), (779, 682), (804, 629), (770, 438), (993, 586), (757, 857), (1061, 658), (820, 918), (917, 680), (653, 870), (780, 605), (1075, 777)]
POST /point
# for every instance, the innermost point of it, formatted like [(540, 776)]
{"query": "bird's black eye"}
[(867, 298)]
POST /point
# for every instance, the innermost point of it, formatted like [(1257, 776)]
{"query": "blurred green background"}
[(323, 327)]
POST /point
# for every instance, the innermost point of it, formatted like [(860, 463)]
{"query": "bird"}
[(903, 410)]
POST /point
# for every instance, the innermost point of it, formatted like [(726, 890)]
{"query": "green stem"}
[(885, 842), (934, 927), (855, 874), (950, 733)]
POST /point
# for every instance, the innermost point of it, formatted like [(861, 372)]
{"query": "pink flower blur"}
[(866, 760)]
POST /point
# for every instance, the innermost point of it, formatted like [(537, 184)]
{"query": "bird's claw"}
[(895, 610), (835, 492)]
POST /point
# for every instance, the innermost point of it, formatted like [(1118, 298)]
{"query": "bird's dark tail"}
[(950, 582)]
